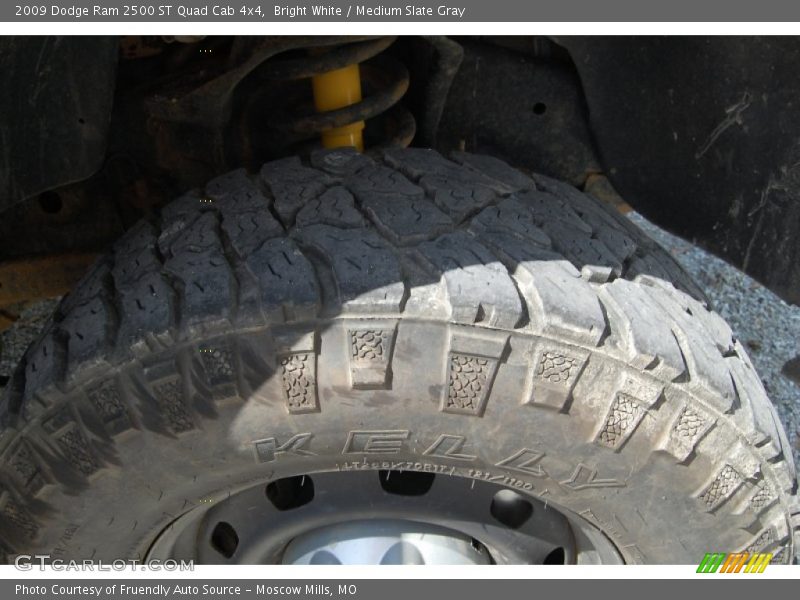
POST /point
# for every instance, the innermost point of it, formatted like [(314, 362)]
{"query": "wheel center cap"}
[(385, 542)]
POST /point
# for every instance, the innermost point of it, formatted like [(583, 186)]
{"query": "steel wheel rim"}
[(293, 519)]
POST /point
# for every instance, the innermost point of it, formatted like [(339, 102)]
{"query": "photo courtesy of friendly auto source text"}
[(291, 293), (180, 590)]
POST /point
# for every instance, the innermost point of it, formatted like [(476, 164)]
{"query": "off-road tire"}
[(402, 312)]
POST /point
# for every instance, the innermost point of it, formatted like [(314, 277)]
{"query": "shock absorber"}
[(356, 91), (337, 89)]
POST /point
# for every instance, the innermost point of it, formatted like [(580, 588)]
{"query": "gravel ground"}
[(769, 327), (766, 325), (16, 339)]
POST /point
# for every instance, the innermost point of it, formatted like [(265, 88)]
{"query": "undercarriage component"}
[(340, 108), (701, 135), (46, 98), (527, 108), (337, 89)]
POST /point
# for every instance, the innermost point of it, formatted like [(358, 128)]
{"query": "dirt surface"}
[(769, 328)]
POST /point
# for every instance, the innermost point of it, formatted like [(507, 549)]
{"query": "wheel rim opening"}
[(224, 539), (291, 492), (511, 509), (557, 557), (406, 483)]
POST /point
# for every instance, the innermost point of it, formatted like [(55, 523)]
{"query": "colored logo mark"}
[(743, 562)]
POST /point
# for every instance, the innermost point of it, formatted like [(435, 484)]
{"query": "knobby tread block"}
[(287, 284), (479, 288), (365, 270), (647, 340), (513, 217), (292, 185), (708, 375), (406, 221), (335, 206), (507, 178), (456, 191), (561, 303)]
